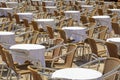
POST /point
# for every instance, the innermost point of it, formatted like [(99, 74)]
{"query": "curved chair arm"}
[(94, 61), (100, 40), (49, 71), (45, 71), (110, 73), (23, 33), (56, 46)]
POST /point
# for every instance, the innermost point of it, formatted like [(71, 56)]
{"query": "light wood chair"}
[(50, 32), (36, 27), (102, 34), (84, 20), (112, 49), (96, 52), (116, 29), (100, 12), (40, 73), (110, 68), (68, 58), (54, 51), (63, 36), (34, 73), (17, 69)]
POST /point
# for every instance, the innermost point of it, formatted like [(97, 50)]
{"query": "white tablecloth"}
[(89, 7), (7, 38), (115, 40), (4, 11), (3, 0), (82, 2), (51, 9), (32, 52), (12, 4), (44, 22), (73, 14), (76, 74), (28, 16), (36, 0), (115, 11), (67, 1), (49, 3), (76, 33), (104, 21)]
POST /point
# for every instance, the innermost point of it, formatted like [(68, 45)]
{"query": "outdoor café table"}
[(67, 1), (76, 74), (28, 16), (49, 3), (3, 0), (89, 7), (4, 11), (104, 21), (115, 11), (51, 9), (73, 14), (12, 4), (7, 38), (81, 2), (44, 22), (31, 52), (76, 33)]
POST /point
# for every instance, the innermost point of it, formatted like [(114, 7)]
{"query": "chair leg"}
[(1, 71), (8, 74)]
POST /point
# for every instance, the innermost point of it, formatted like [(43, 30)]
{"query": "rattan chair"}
[(110, 69), (54, 51), (100, 12), (96, 52), (116, 29), (17, 69), (112, 49), (40, 73), (63, 36), (68, 58)]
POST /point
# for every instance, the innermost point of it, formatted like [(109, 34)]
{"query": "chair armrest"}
[(94, 61), (110, 73), (23, 33), (56, 46)]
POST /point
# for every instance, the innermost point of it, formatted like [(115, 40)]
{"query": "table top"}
[(24, 13), (50, 7), (27, 47), (86, 5), (12, 2), (74, 28), (6, 33), (114, 9), (104, 16), (3, 0), (114, 40), (7, 8), (72, 11), (44, 20), (77, 74), (49, 1), (36, 0)]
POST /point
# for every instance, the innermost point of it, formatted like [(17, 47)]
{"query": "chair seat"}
[(23, 71), (102, 53), (69, 40)]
